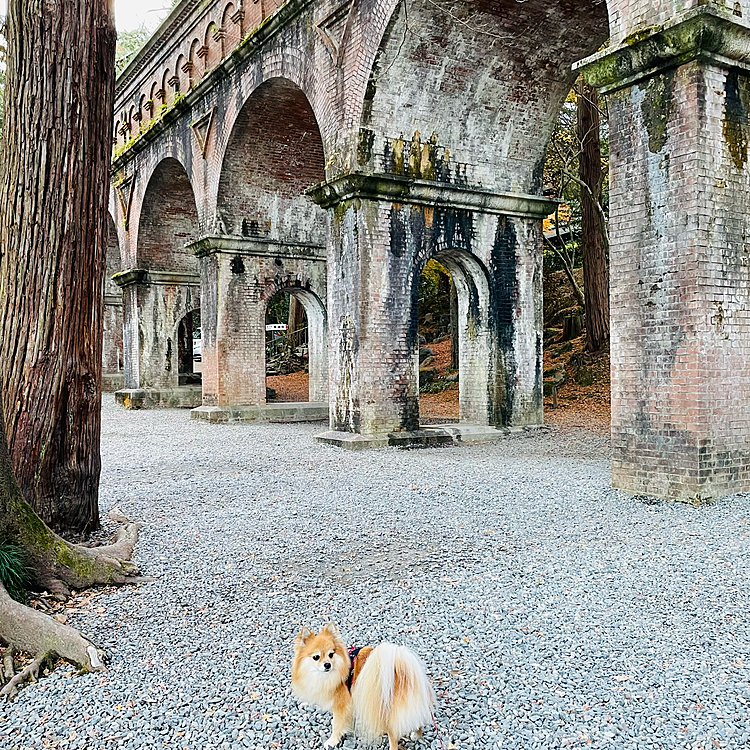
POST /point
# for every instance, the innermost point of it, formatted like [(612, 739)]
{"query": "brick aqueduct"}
[(331, 148)]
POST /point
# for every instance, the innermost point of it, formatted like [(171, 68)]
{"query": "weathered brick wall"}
[(487, 88), (168, 221), (379, 248), (635, 17), (112, 352), (680, 284), (160, 307)]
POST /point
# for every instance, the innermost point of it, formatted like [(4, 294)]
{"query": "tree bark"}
[(294, 319), (593, 231), (53, 235)]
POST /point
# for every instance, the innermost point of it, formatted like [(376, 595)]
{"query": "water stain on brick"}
[(735, 126), (237, 265), (503, 301), (656, 109)]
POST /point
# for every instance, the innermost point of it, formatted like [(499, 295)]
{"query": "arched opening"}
[(576, 249), (438, 345), (169, 219), (457, 350), (189, 349), (274, 153), (295, 358)]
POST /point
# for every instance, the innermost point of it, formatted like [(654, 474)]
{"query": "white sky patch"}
[(131, 14)]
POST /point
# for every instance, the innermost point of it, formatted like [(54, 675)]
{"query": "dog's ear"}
[(301, 638), (332, 629)]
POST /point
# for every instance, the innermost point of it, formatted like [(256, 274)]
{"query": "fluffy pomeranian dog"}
[(371, 691)]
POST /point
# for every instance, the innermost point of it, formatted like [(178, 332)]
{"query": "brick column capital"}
[(401, 189), (702, 33), (146, 277)]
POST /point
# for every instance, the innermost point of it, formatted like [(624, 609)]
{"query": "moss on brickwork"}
[(736, 126), (656, 109), (640, 34)]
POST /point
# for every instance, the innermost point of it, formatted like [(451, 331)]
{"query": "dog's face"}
[(320, 660)]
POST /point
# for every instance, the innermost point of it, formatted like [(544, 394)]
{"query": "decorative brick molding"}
[(703, 33), (263, 248), (144, 276), (399, 189)]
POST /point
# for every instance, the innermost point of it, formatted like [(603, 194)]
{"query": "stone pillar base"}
[(424, 437), (291, 411), (181, 397)]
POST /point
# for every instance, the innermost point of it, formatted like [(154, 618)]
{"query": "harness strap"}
[(353, 653)]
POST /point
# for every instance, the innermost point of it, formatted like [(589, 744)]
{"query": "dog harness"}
[(353, 653)]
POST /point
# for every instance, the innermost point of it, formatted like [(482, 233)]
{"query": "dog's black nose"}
[(327, 666)]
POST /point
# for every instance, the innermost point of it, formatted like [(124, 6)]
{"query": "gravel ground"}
[(551, 610)]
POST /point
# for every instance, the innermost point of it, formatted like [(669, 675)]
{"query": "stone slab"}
[(292, 411), (424, 437), (183, 397)]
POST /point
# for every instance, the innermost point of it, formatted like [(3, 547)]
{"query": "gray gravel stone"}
[(551, 610)]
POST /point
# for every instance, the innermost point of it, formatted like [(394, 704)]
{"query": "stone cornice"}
[(260, 247), (702, 33), (148, 277), (257, 38), (397, 189)]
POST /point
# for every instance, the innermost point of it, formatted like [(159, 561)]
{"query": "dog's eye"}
[(316, 657), (330, 656)]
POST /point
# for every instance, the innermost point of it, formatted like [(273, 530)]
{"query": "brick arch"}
[(272, 154), (477, 348), (302, 289), (184, 83), (293, 283), (489, 88), (168, 220), (214, 55), (232, 29)]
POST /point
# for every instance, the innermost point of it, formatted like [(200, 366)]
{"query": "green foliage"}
[(437, 386), (434, 292), (14, 571), (128, 44), (278, 308)]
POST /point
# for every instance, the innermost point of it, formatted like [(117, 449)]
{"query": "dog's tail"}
[(392, 694)]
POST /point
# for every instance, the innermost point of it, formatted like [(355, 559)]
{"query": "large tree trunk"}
[(53, 224), (593, 230)]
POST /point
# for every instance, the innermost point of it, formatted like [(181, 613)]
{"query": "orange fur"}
[(390, 693)]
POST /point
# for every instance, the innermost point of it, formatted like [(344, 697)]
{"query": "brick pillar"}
[(155, 302), (233, 319), (680, 259), (238, 278), (112, 355), (383, 230)]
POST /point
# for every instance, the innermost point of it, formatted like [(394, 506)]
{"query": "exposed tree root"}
[(59, 567), (74, 566), (28, 630)]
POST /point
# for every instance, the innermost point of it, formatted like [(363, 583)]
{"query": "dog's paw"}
[(332, 742), (416, 735)]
